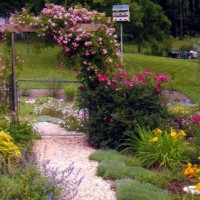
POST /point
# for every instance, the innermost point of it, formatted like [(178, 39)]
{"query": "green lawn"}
[(182, 72), (184, 44), (41, 65)]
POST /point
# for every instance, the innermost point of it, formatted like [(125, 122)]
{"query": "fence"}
[(46, 87)]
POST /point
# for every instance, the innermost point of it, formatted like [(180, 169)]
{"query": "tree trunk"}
[(139, 47)]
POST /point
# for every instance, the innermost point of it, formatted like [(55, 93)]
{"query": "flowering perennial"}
[(175, 134), (193, 172)]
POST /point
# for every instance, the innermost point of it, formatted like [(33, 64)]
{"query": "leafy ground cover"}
[(132, 181)]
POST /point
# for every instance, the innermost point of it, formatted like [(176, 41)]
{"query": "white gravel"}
[(63, 150), (49, 129)]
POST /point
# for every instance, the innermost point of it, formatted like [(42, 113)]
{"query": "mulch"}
[(176, 186)]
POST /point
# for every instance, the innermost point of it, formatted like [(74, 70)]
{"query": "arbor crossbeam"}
[(20, 28)]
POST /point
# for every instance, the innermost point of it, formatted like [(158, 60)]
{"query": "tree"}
[(148, 23), (184, 15), (37, 6), (10, 6)]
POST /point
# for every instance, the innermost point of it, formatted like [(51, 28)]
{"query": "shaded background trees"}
[(152, 21), (183, 14)]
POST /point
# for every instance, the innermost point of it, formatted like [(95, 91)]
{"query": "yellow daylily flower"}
[(173, 133), (157, 131), (197, 187), (181, 133), (155, 139)]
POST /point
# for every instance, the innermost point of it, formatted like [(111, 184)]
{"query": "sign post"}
[(121, 14)]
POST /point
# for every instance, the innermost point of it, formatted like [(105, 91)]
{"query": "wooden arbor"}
[(18, 28)]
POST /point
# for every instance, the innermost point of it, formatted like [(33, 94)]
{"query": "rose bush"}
[(120, 103)]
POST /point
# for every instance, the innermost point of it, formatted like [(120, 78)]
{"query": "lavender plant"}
[(33, 183), (68, 186)]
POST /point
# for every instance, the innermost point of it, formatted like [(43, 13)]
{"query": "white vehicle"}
[(193, 54)]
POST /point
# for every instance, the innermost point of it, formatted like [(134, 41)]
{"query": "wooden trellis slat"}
[(20, 28)]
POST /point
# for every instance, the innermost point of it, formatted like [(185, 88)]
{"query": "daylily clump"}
[(174, 134), (193, 172)]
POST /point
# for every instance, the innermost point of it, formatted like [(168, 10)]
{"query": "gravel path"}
[(65, 149)]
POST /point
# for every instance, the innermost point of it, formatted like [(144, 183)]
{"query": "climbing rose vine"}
[(90, 53)]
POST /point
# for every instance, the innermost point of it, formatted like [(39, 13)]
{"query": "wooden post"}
[(13, 75)]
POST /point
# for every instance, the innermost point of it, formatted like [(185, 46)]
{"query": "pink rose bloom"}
[(114, 80), (122, 74), (147, 71), (102, 77), (88, 43), (158, 90), (3, 67), (118, 89), (111, 120), (196, 118)]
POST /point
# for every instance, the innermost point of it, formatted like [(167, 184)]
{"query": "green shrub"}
[(25, 91), (70, 92), (119, 104), (26, 110), (54, 86), (23, 133), (129, 189), (43, 100), (3, 123), (115, 166), (197, 141), (154, 148), (52, 111), (101, 155), (72, 123)]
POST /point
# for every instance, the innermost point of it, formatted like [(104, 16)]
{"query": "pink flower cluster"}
[(2, 28), (122, 79), (196, 118), (60, 25), (54, 18), (3, 81), (102, 77)]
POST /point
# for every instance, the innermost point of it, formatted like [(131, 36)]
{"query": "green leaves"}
[(160, 150)]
